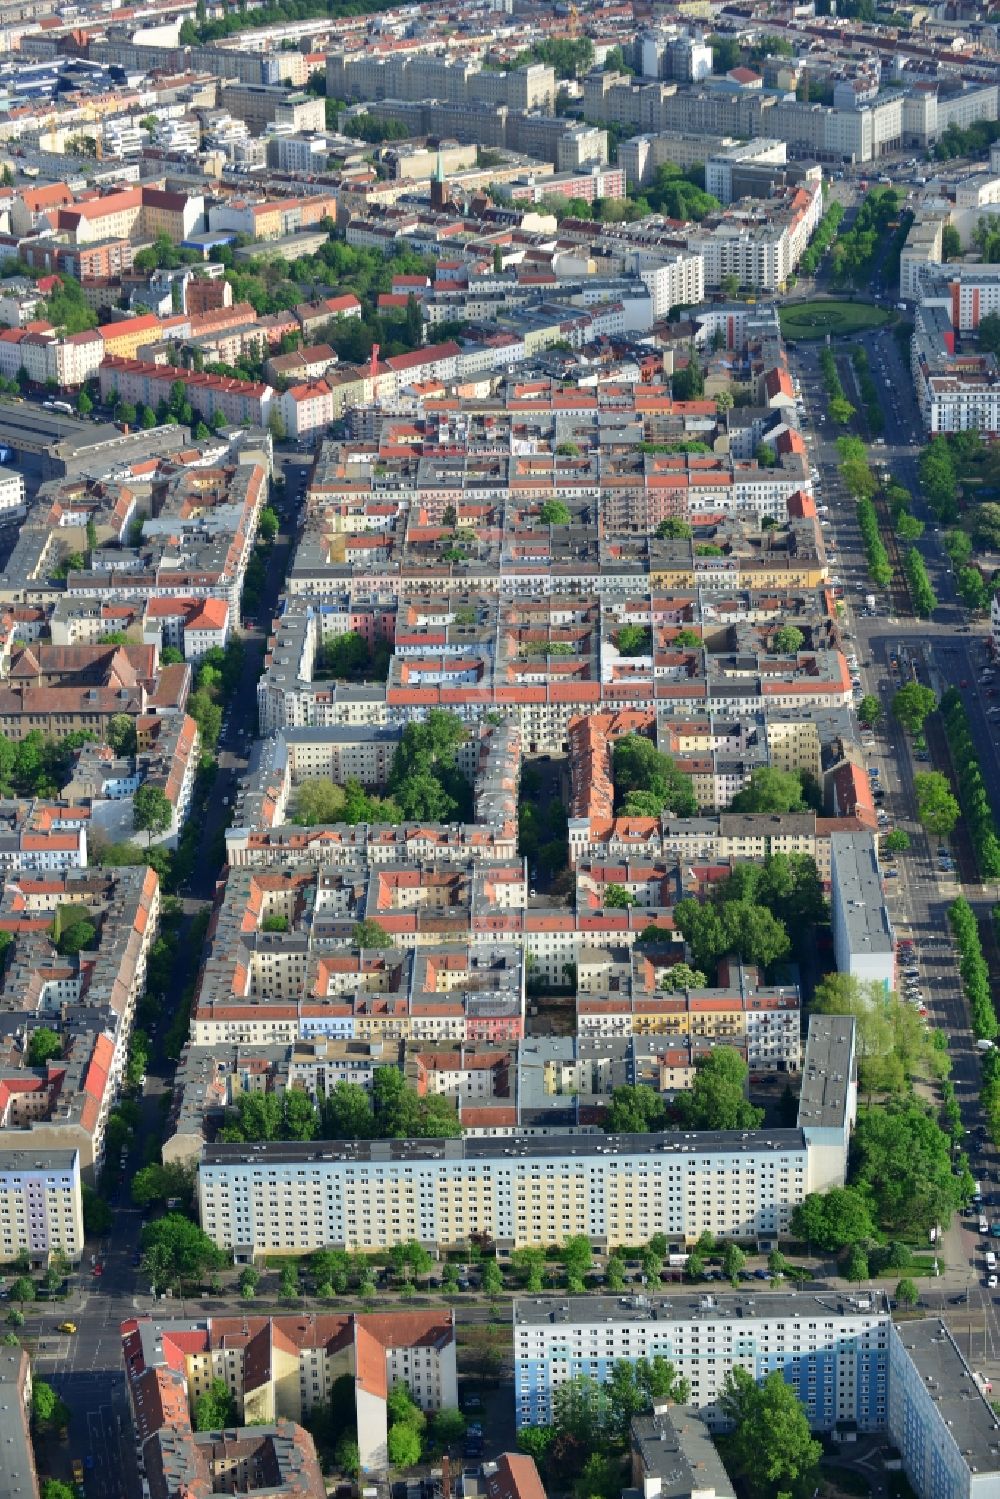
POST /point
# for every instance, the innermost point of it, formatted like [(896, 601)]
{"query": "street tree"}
[(937, 809), (911, 705), (869, 710)]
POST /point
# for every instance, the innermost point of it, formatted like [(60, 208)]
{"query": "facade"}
[(938, 1416), (833, 1349), (40, 1204), (279, 1368), (276, 1198)]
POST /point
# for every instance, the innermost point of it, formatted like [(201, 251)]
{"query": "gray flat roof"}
[(722, 1142), (826, 1071), (948, 1379), (36, 1160), (756, 1304), (676, 1446), (856, 875)]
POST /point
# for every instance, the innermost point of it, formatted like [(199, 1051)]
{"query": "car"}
[(137, 1257), (77, 1470), (98, 1270), (66, 1327), (992, 1282)]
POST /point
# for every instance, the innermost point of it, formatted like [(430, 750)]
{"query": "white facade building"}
[(863, 938)]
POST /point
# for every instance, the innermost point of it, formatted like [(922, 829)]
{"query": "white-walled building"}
[(41, 1206), (863, 938)]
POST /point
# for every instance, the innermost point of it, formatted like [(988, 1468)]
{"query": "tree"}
[(908, 527), (972, 590), (46, 1407), (856, 1263), (772, 1449), (904, 1163), (404, 1446), (267, 524), (869, 710), (492, 1281), (717, 1097), (634, 640), (673, 529), (249, 1281), (536, 1441), (577, 1257), (120, 732), (448, 1427), (733, 1261), (555, 513), (770, 790), (182, 1250), (22, 1289), (635, 1108), (898, 841), (155, 1183), (152, 811), (614, 1273), (318, 803), (288, 1283), (215, 1408), (54, 1488), (680, 978), (529, 1266), (640, 768), (84, 404), (45, 1044), (369, 934), (617, 897), (906, 1292), (951, 248), (787, 640), (989, 332), (834, 1219), (911, 705), (937, 809)]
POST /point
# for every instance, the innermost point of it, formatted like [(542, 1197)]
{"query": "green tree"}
[(536, 1441), (951, 249), (634, 640), (937, 809), (249, 1281), (215, 1408), (717, 1097), (898, 841), (635, 1108), (772, 1449), (911, 706), (869, 710), (492, 1281), (680, 978), (832, 1220), (46, 1407), (181, 1249), (448, 1427), (617, 897), (155, 1183), (369, 934), (577, 1258), (529, 1266), (554, 513), (770, 790), (787, 640), (45, 1044), (22, 1288), (856, 1264), (288, 1283), (152, 811), (733, 1261), (404, 1447), (906, 1292), (904, 1163), (84, 404), (673, 529)]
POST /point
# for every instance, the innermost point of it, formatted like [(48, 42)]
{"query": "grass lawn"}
[(805, 320)]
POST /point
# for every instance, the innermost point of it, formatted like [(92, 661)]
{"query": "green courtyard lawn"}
[(803, 320)]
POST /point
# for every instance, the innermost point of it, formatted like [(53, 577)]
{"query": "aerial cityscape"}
[(499, 750)]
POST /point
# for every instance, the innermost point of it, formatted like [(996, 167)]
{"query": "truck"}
[(984, 1046), (871, 602)]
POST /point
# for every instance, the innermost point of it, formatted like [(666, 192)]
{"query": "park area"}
[(804, 320)]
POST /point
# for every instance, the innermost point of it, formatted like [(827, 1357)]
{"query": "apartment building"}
[(289, 1198), (832, 1349), (41, 1205), (278, 1369), (864, 941), (260, 105), (939, 1418)]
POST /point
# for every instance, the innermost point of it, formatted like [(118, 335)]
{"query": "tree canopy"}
[(717, 1097)]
